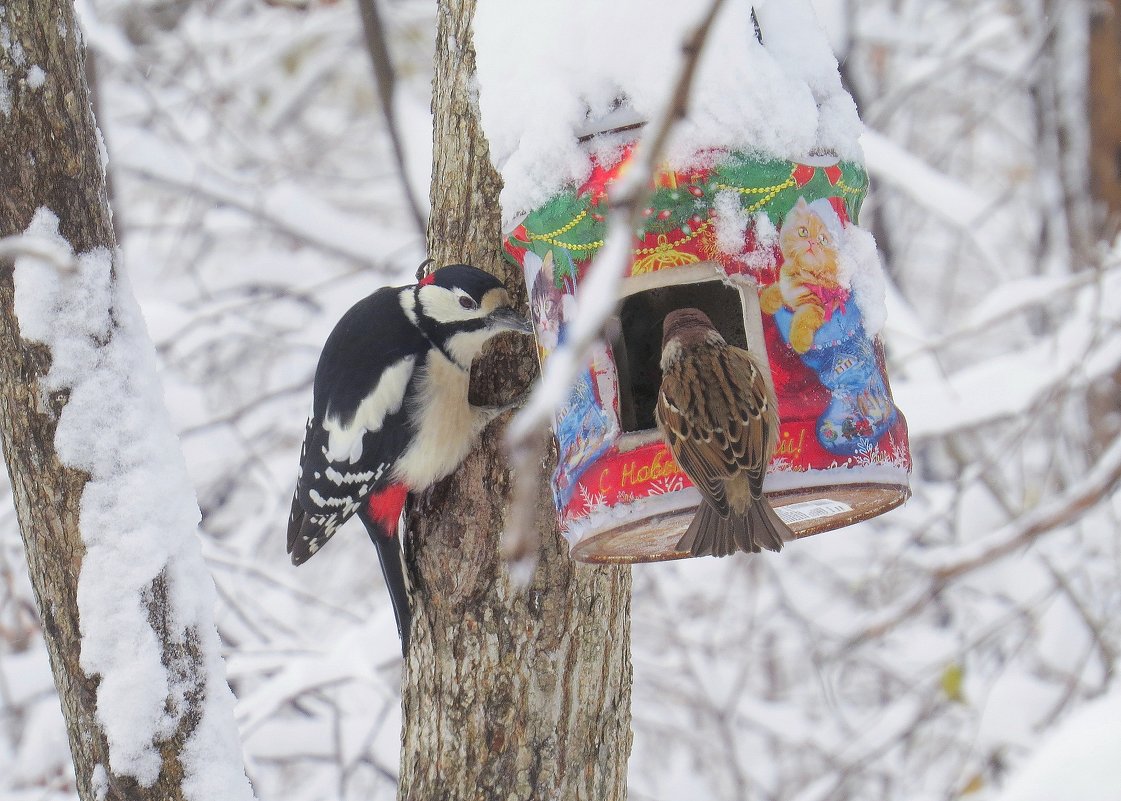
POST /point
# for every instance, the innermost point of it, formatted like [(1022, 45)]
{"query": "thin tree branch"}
[(386, 80), (950, 564)]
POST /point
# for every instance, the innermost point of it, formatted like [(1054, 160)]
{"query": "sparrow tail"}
[(764, 528), (710, 534)]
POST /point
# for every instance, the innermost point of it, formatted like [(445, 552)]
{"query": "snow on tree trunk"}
[(508, 693), (101, 491)]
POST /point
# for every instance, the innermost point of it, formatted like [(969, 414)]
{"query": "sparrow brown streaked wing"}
[(748, 444), (702, 461)]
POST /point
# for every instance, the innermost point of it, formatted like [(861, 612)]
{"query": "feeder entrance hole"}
[(637, 340)]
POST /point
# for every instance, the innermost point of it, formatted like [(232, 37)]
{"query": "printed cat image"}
[(547, 305), (808, 281)]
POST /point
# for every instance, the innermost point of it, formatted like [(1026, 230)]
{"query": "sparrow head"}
[(460, 307), (688, 325)]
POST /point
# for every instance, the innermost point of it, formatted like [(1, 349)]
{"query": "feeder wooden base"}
[(655, 540)]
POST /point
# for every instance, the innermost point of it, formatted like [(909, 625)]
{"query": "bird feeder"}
[(771, 251)]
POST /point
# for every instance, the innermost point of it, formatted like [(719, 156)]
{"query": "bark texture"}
[(1105, 111), (508, 694), (49, 157)]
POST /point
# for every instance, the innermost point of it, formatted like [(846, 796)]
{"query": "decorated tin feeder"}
[(771, 251)]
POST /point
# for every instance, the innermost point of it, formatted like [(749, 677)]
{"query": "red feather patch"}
[(385, 507), (428, 279)]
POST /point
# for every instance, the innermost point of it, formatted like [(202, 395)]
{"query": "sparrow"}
[(719, 417)]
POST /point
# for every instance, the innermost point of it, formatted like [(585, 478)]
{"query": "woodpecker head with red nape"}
[(460, 307)]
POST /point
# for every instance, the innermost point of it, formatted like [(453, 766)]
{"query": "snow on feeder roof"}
[(552, 70), (744, 224)]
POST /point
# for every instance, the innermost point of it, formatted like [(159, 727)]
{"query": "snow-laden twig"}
[(599, 294), (1069, 506), (37, 247)]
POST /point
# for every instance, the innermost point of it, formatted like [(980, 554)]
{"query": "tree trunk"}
[(49, 157), (1105, 110), (508, 694)]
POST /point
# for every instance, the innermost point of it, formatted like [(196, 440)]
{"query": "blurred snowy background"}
[(921, 656)]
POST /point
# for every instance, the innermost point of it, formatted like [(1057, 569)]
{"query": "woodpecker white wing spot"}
[(344, 442), (320, 501), (348, 478)]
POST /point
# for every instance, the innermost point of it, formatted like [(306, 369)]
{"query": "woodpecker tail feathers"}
[(711, 534), (302, 542), (393, 570)]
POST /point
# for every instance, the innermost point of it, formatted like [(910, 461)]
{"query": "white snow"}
[(99, 782), (860, 262), (1085, 348), (287, 206), (36, 76), (138, 519), (783, 99), (1078, 760), (731, 222)]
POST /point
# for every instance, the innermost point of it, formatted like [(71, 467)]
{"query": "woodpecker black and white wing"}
[(359, 426), (328, 492)]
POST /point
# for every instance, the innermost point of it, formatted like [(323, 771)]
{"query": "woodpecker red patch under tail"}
[(384, 507)]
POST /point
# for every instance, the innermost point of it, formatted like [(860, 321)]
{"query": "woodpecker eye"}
[(467, 303)]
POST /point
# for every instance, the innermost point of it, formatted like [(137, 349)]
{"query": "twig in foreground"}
[(526, 437)]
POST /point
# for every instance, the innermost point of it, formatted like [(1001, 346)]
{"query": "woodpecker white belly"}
[(445, 424)]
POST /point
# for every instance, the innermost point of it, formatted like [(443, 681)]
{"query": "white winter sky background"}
[(255, 202)]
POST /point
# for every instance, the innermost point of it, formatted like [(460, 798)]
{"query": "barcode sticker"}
[(811, 510)]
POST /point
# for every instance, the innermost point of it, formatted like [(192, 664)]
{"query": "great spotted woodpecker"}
[(719, 417), (390, 413)]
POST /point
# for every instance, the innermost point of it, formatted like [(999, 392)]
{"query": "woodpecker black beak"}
[(506, 319)]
